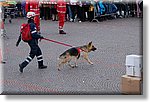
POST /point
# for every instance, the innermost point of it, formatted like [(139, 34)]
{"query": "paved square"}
[(114, 40)]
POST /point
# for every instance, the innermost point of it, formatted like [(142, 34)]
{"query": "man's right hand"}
[(17, 44)]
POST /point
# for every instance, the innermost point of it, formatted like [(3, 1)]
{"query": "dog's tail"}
[(62, 56)]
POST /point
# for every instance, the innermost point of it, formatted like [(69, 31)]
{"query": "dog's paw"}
[(72, 66), (91, 63)]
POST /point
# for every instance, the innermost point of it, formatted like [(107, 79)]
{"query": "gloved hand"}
[(19, 39), (41, 37), (17, 44)]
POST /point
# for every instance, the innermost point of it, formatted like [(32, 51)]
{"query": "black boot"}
[(62, 32), (22, 66), (42, 67)]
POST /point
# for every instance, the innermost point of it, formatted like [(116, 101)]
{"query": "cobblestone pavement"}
[(114, 39)]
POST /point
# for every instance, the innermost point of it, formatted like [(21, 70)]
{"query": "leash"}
[(79, 50), (58, 42)]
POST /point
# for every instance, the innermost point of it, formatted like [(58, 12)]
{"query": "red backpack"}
[(25, 32)]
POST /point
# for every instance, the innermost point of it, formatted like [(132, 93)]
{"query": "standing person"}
[(1, 32), (73, 7), (80, 11), (69, 12), (19, 11), (61, 9), (138, 7), (54, 12), (23, 5), (33, 43), (91, 12)]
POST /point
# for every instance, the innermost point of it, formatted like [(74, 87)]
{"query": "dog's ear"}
[(90, 43)]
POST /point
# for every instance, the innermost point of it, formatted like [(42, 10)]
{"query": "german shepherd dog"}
[(75, 53)]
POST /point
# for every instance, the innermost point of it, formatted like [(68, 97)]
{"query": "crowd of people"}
[(83, 11), (78, 10)]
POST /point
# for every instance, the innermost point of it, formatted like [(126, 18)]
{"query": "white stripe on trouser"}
[(40, 60), (60, 28), (27, 60), (39, 56), (33, 31), (29, 57)]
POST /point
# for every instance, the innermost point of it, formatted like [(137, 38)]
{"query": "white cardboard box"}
[(134, 65)]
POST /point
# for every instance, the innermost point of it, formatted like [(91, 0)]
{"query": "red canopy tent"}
[(48, 1), (52, 2)]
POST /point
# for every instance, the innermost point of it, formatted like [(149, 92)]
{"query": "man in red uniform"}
[(33, 6), (61, 9)]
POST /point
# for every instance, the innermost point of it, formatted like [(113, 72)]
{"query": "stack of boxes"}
[(132, 83)]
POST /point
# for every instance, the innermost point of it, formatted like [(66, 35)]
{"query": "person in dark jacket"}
[(33, 43)]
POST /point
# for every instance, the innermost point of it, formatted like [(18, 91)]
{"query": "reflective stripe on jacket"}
[(61, 7)]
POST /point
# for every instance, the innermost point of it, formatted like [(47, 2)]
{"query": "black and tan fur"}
[(73, 53)]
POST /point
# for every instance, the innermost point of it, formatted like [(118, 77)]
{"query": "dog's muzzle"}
[(93, 49)]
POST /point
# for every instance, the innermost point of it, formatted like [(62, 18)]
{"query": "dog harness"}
[(79, 50)]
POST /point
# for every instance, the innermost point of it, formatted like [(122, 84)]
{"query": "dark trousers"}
[(34, 51), (74, 10), (90, 15), (81, 14)]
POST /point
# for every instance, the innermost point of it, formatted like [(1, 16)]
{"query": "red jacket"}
[(61, 6), (27, 7)]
